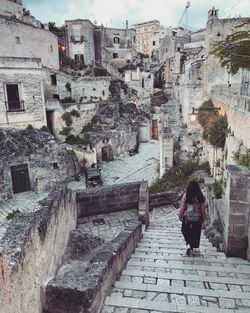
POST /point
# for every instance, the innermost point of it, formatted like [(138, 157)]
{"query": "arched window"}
[(116, 40)]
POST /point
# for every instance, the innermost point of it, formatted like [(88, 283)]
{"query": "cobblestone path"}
[(159, 277)]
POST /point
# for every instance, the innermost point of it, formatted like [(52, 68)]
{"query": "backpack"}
[(192, 214)]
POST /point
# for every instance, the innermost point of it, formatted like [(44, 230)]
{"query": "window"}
[(18, 40), (115, 55), (178, 49), (116, 40), (153, 43), (51, 48), (53, 79), (13, 98), (79, 59)]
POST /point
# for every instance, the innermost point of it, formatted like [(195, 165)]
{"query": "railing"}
[(15, 106), (78, 38)]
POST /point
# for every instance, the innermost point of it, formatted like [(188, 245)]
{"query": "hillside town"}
[(101, 130)]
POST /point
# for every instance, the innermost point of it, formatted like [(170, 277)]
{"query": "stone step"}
[(178, 249), (187, 277), (194, 259), (193, 267), (219, 293), (173, 241), (139, 305)]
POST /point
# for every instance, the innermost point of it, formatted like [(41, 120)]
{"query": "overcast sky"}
[(114, 13)]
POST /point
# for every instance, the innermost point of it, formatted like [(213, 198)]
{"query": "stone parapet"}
[(237, 228), (83, 280), (162, 199), (108, 199), (31, 251)]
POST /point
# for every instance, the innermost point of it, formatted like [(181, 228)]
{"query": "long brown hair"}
[(194, 192)]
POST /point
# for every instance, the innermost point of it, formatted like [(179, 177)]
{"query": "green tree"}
[(58, 31)]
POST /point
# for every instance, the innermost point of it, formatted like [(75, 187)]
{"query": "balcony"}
[(15, 106), (78, 39)]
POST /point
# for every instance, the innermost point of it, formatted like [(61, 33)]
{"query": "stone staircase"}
[(159, 277)]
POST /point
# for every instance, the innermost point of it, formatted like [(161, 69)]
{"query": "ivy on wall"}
[(234, 51), (242, 158), (215, 126)]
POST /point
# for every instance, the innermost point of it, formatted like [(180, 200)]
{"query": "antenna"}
[(184, 16)]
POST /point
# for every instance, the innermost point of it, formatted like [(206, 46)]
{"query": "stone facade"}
[(32, 160), (91, 44), (237, 211), (21, 93), (24, 40), (31, 251), (11, 7), (144, 33), (80, 44), (141, 81)]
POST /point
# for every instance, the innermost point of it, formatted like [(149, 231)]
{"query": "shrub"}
[(75, 113), (75, 140), (12, 214), (99, 71), (95, 119), (65, 131), (67, 119), (218, 189), (45, 129), (217, 132), (67, 100), (87, 128), (242, 158), (29, 127)]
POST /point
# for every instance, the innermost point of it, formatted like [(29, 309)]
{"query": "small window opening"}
[(18, 40), (55, 166), (53, 79)]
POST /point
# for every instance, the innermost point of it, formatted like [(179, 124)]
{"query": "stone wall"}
[(11, 7), (82, 89), (23, 40), (31, 251), (26, 73), (80, 39), (231, 213), (46, 162), (108, 199), (89, 269), (237, 108), (237, 210), (162, 199)]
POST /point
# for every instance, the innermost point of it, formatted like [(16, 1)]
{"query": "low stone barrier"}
[(87, 274), (108, 199), (32, 249), (162, 199)]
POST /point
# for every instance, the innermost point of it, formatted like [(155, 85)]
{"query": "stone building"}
[(11, 7), (24, 40), (80, 45), (87, 43), (21, 93), (144, 34), (31, 160), (141, 81)]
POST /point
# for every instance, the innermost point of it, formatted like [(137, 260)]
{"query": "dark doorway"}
[(154, 129), (79, 58), (13, 97), (20, 178), (50, 118), (107, 153)]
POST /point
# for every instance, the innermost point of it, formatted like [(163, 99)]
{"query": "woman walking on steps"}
[(192, 214)]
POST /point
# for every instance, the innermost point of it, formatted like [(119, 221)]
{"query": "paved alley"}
[(159, 277), (143, 165)]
